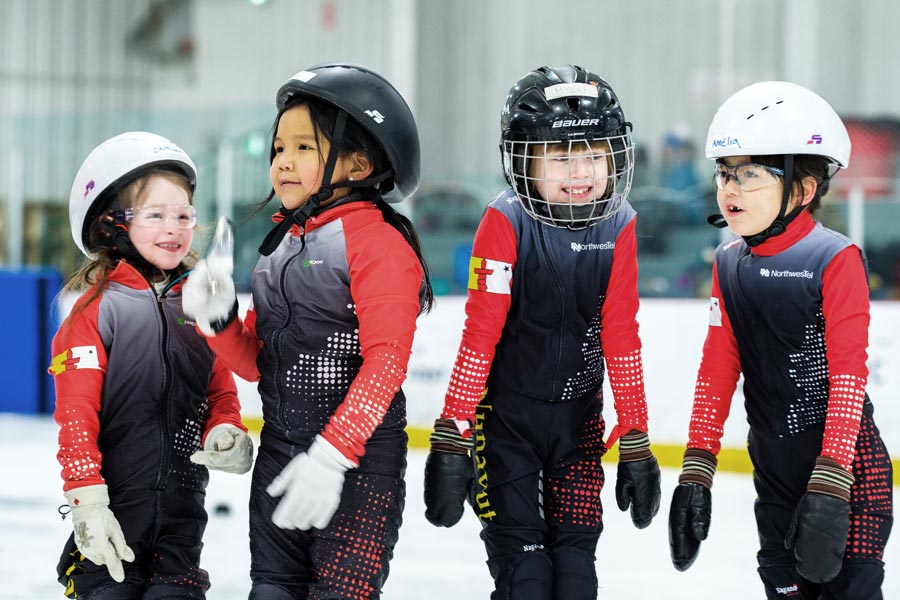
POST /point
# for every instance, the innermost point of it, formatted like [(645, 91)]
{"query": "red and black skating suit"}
[(792, 315), (136, 390), (328, 337), (547, 307)]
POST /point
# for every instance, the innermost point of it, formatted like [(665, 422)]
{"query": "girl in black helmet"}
[(336, 294), (552, 303)]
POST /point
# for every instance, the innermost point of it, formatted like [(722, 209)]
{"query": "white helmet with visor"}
[(118, 161)]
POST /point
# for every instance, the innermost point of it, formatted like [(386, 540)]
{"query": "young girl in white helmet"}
[(789, 311), (335, 297), (141, 401), (552, 304)]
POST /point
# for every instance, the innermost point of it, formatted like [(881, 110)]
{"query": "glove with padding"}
[(227, 448), (208, 295), (311, 484), (98, 534), (818, 532), (449, 472), (637, 479), (691, 511)]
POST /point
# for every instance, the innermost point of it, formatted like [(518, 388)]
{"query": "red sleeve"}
[(489, 286), (237, 346), (224, 405), (720, 369), (619, 336), (385, 279), (845, 307), (78, 367)]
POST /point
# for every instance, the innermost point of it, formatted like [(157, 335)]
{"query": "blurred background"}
[(204, 73)]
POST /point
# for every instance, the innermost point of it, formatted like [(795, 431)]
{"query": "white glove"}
[(311, 484), (227, 448), (208, 295), (97, 532)]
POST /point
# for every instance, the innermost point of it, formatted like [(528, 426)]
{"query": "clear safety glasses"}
[(155, 217), (749, 177)]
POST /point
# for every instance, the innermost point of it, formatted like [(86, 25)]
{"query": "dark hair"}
[(94, 274), (356, 139), (805, 165)]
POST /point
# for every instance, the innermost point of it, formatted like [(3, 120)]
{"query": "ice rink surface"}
[(429, 563)]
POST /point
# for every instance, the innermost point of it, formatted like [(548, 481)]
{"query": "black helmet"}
[(566, 107), (376, 105)]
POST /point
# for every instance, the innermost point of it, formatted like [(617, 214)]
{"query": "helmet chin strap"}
[(779, 225), (118, 241), (312, 205)]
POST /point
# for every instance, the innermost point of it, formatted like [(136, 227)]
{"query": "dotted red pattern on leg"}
[(351, 559), (870, 497), (574, 498)]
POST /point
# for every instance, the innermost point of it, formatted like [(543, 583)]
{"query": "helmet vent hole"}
[(528, 107), (573, 103)]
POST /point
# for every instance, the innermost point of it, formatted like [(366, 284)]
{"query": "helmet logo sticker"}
[(726, 142), (575, 122), (815, 139), (88, 187), (376, 116)]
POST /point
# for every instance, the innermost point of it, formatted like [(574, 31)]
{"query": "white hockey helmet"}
[(778, 117), (113, 162)]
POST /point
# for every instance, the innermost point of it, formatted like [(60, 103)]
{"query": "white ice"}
[(429, 564)]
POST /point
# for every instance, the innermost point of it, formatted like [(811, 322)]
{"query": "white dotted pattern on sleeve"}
[(366, 402), (707, 417), (626, 378), (846, 396), (467, 383), (78, 453)]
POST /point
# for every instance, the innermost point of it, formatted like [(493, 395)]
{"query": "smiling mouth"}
[(578, 191)]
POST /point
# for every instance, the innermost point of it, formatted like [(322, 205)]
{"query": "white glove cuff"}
[(89, 495), (322, 450), (221, 437)]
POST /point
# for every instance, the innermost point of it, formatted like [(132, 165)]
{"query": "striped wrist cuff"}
[(634, 446), (451, 436), (698, 466), (829, 478)]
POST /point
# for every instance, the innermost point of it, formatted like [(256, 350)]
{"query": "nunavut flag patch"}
[(79, 357), (488, 275)]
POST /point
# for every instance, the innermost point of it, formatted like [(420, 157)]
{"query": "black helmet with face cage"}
[(565, 105)]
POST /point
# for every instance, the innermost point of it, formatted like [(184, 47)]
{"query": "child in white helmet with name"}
[(141, 401), (789, 311)]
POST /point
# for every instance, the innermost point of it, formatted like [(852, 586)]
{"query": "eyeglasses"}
[(749, 177), (155, 217)]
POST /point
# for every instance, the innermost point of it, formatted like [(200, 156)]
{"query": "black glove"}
[(449, 473), (689, 518), (818, 532), (691, 509), (637, 479)]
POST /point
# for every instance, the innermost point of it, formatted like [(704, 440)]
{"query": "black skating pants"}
[(782, 467)]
